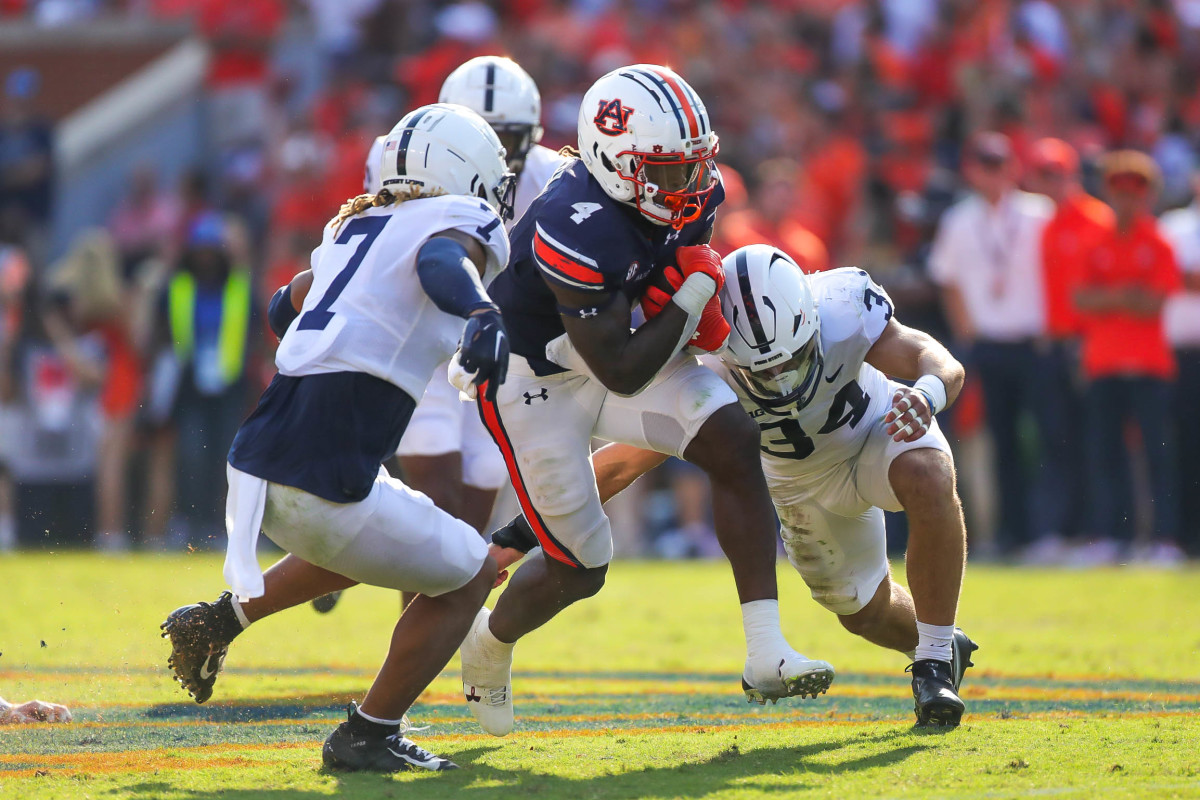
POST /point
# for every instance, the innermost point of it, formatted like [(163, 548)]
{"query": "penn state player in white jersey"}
[(384, 303), (840, 443), (642, 195), (446, 453)]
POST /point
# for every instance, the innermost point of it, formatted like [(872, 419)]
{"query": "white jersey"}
[(851, 395), (366, 311), (540, 164)]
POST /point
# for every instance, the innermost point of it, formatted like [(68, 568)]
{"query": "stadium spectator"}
[(26, 161), (209, 318), (143, 225), (14, 276), (93, 302), (987, 260), (1182, 318), (1128, 363), (240, 34), (1079, 222), (772, 218)]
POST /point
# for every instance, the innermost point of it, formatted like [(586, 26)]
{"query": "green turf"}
[(1088, 684)]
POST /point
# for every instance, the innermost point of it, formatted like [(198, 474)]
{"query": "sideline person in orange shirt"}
[(772, 218), (1080, 221), (1128, 363)]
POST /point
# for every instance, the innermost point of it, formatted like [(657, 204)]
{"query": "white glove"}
[(461, 379)]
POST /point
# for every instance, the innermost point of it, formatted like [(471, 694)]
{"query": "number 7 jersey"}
[(366, 311), (808, 441)]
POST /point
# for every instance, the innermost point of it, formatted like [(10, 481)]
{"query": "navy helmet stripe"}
[(405, 138), (743, 273), (489, 94), (662, 85), (701, 112), (653, 92)]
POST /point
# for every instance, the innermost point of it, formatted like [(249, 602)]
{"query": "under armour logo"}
[(542, 395), (584, 313), (472, 697)]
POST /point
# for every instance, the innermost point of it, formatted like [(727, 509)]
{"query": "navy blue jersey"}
[(326, 434), (576, 236)]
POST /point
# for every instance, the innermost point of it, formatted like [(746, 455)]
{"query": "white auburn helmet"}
[(498, 90), (444, 148), (774, 350), (644, 135)]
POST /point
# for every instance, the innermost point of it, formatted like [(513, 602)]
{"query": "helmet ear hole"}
[(608, 165)]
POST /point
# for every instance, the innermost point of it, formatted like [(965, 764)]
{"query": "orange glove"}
[(713, 331), (658, 294), (701, 258)]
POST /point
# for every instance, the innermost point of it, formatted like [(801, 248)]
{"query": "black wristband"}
[(516, 535)]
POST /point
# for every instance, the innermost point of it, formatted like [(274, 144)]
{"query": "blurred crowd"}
[(996, 164)]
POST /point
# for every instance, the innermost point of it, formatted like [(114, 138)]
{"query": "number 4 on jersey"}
[(583, 211)]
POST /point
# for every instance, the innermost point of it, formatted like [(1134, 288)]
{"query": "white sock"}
[(239, 613), (934, 642), (377, 720), (760, 620), (495, 649)]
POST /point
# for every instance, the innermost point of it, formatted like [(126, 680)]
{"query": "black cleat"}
[(200, 636), (356, 747), (962, 647), (936, 701), (325, 603)]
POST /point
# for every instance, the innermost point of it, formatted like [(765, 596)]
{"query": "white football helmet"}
[(498, 90), (774, 349), (645, 136), (444, 148)]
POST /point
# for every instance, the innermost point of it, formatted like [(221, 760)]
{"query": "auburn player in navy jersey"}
[(642, 196), (395, 276)]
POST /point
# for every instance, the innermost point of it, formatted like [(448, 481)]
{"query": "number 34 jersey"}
[(366, 311), (809, 441)]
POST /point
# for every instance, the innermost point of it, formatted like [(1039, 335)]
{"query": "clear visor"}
[(787, 379)]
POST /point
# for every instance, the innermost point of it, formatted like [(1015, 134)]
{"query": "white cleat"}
[(487, 679), (785, 675)]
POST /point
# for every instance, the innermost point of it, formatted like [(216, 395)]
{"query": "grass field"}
[(1087, 685)]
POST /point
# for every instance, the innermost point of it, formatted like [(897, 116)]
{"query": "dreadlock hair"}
[(385, 197), (568, 151)]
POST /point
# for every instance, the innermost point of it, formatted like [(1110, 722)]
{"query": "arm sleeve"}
[(450, 278), (280, 312)]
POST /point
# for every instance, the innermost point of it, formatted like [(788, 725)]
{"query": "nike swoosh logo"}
[(207, 673), (833, 377)]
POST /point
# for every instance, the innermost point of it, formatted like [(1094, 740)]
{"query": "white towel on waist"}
[(244, 508)]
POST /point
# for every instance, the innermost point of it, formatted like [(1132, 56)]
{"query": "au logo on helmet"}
[(612, 118)]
